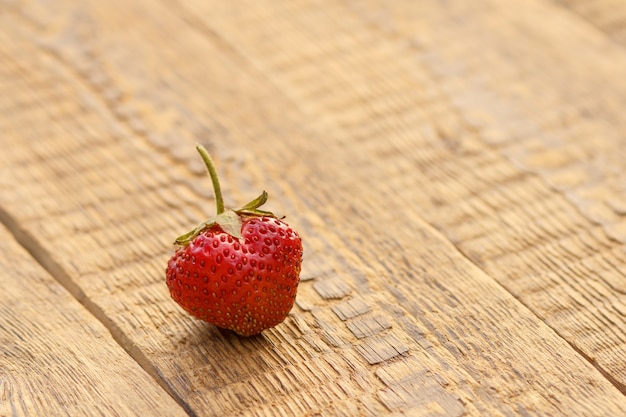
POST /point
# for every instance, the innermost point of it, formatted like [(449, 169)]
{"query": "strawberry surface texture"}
[(246, 285), (238, 270)]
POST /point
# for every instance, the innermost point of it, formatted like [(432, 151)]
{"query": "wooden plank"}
[(56, 358), (516, 145), (98, 99)]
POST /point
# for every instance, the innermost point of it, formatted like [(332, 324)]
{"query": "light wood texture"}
[(56, 358), (609, 16), (455, 169)]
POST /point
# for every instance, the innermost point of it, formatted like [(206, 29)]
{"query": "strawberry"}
[(240, 269)]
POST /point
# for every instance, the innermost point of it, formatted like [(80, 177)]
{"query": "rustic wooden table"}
[(457, 171)]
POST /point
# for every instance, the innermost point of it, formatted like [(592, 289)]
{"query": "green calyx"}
[(229, 220)]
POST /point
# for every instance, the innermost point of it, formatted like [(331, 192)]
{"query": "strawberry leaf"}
[(189, 236), (256, 203), (230, 222), (252, 208)]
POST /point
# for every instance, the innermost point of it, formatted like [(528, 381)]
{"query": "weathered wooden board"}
[(56, 358), (424, 152), (504, 131)]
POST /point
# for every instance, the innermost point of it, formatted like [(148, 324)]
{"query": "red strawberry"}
[(238, 270)]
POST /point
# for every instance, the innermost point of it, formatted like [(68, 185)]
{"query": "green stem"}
[(219, 200)]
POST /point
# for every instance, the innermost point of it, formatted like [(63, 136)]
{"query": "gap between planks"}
[(621, 387), (57, 272)]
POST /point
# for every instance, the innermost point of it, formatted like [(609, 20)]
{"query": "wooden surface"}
[(456, 170), (57, 358)]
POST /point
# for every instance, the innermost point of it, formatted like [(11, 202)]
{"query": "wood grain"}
[(609, 16), (56, 358), (423, 151), (514, 141)]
